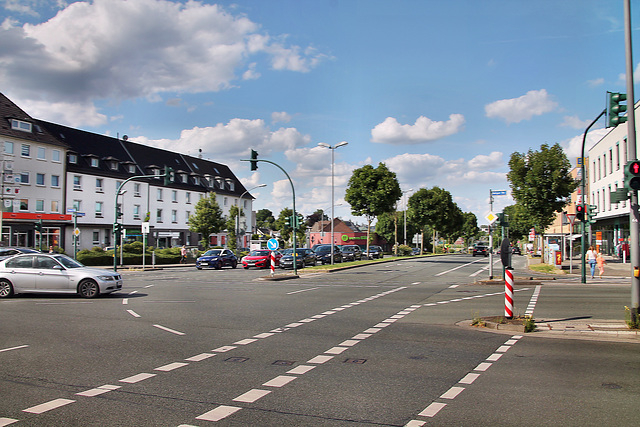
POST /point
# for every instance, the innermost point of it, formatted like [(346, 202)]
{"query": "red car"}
[(260, 258)]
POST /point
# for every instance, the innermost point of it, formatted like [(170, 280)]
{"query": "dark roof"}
[(106, 149), (9, 110)]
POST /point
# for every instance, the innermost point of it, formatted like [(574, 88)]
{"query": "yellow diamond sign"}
[(491, 217)]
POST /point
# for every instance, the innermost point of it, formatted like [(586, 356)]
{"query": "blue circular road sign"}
[(272, 244)]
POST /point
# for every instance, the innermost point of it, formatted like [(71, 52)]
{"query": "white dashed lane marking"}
[(44, 407)]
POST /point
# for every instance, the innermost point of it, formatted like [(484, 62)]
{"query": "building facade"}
[(69, 179)]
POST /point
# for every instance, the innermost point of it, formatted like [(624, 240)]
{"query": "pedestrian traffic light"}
[(118, 212), (632, 175), (254, 160), (38, 226), (169, 175), (117, 230), (614, 109), (580, 212)]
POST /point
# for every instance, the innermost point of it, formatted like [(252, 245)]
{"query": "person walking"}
[(183, 254), (601, 262), (591, 257)]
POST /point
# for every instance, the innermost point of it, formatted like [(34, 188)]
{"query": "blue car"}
[(217, 258)]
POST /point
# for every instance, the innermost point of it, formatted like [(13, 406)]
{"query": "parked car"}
[(217, 258), (323, 253), (9, 252), (260, 258), (415, 251), (351, 253), (480, 250), (516, 251), (375, 252), (304, 257), (54, 273)]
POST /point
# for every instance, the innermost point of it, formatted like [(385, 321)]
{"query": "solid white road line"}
[(14, 348)]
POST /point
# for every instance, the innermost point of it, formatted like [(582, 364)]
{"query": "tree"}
[(265, 219), (470, 228), (541, 184), (436, 209), (372, 192), (207, 218), (386, 227), (519, 225), (317, 216), (231, 225)]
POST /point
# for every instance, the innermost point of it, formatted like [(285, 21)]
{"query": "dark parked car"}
[(516, 251), (8, 252), (375, 252), (304, 257), (323, 253), (217, 258), (351, 253), (260, 258), (480, 250)]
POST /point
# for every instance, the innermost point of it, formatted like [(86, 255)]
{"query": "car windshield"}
[(213, 252), (288, 252), (347, 249), (259, 253), (68, 262)]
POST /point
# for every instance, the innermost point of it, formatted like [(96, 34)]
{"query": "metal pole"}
[(332, 205), (490, 238), (634, 217)]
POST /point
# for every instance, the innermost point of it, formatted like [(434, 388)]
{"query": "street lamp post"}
[(238, 217), (332, 148), (405, 215)]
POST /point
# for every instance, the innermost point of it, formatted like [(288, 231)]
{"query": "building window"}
[(55, 156), (187, 196), (611, 160), (26, 150), (136, 211), (77, 182), (136, 189), (113, 165), (232, 185), (39, 205), (73, 158), (94, 162), (40, 179), (21, 125), (131, 168), (55, 181), (42, 153), (24, 178), (55, 206), (8, 147), (159, 194), (226, 201), (99, 206), (174, 196), (187, 216), (24, 204), (196, 180), (174, 216), (96, 238), (77, 204), (617, 157), (99, 187), (159, 215), (184, 178)]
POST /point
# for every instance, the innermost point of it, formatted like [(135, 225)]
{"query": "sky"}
[(442, 92)]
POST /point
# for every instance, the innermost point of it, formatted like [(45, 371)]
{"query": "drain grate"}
[(356, 361), (236, 359), (284, 362)]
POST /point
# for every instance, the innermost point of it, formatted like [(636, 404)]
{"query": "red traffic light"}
[(580, 212)]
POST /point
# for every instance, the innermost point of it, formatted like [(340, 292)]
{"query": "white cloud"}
[(574, 122), (515, 110), (281, 116), (137, 48), (573, 146), (392, 132), (595, 82), (482, 162), (74, 114)]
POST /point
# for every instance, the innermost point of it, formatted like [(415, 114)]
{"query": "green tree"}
[(232, 224), (372, 192), (265, 219), (282, 224), (435, 209), (207, 218), (470, 230), (541, 184), (386, 227), (519, 224)]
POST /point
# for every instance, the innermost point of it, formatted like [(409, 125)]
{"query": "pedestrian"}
[(591, 256), (183, 254), (601, 262)]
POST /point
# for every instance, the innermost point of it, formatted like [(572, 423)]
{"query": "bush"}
[(404, 250)]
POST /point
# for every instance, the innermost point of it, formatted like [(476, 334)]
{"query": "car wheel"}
[(246, 268), (218, 266), (234, 264), (6, 288), (88, 289), (199, 268)]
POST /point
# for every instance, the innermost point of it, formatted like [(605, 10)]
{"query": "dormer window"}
[(113, 165), (73, 158), (220, 182), (93, 161), (131, 168), (184, 178), (196, 180), (21, 125), (231, 184)]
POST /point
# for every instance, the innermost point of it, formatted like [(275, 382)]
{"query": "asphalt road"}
[(372, 346)]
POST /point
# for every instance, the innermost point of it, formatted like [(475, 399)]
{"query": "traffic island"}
[(515, 324), (277, 277)]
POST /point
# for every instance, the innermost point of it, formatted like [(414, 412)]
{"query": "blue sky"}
[(443, 92)]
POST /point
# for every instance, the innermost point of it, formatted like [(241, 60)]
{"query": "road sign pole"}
[(508, 293)]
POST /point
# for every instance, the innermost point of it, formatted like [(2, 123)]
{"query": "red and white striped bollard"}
[(273, 263), (508, 293)]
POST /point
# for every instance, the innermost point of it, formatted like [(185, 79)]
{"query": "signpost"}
[(273, 245)]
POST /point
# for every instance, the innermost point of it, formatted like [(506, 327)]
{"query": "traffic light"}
[(38, 226), (118, 212), (254, 160), (592, 211), (632, 175), (169, 175), (580, 212), (117, 230), (614, 109)]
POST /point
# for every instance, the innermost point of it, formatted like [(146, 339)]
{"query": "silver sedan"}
[(55, 273)]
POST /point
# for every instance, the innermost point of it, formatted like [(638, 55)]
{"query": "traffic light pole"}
[(631, 139), (583, 249)]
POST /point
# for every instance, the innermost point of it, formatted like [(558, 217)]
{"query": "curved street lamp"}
[(332, 148)]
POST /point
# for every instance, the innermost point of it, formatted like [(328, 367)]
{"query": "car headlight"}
[(106, 278)]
